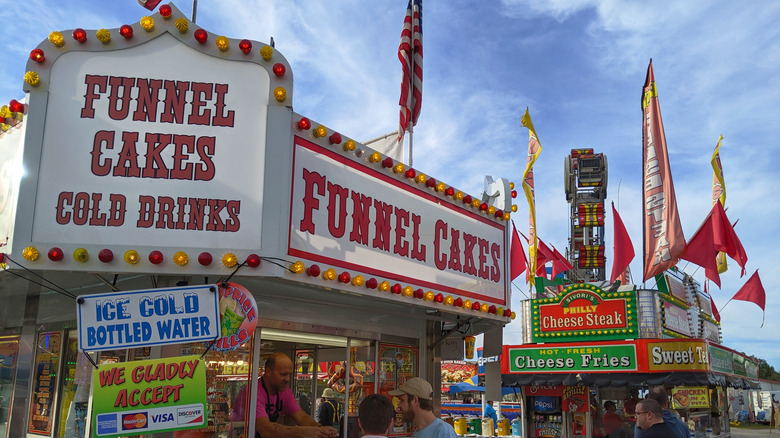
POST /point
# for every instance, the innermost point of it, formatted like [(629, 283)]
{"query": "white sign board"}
[(154, 145), (360, 219), (148, 317)]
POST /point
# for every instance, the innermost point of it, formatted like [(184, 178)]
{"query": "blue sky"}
[(578, 65)]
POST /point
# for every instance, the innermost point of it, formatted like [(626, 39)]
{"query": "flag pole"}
[(410, 128), (411, 134), (194, 9)]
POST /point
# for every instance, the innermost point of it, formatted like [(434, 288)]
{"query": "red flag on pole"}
[(543, 255), (753, 291), (149, 4), (622, 247), (517, 255), (714, 235), (715, 313), (560, 264), (410, 53), (664, 242)]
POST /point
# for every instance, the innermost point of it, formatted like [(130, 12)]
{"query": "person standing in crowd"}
[(274, 397), (658, 394), (612, 422), (375, 416), (650, 418), (330, 409), (490, 411), (415, 401)]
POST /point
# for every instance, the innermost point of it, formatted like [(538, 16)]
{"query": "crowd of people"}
[(645, 418)]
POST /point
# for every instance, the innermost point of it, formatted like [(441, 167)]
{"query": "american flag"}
[(410, 53)]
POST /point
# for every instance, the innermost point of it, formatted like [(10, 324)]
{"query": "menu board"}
[(45, 368)]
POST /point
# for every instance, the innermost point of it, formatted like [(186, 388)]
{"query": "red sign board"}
[(584, 310)]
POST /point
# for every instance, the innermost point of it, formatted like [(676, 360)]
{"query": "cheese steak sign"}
[(584, 311), (365, 220)]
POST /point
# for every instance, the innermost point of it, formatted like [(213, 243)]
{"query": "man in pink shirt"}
[(274, 397)]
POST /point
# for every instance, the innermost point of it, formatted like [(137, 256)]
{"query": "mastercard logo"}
[(134, 421)]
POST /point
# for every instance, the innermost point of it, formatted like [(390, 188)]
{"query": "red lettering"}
[(468, 254), (215, 221), (183, 146), (314, 181), (92, 82), (382, 225), (175, 100), (146, 106), (155, 166), (101, 138), (119, 107), (455, 250), (200, 89), (197, 213), (495, 272), (337, 209), (401, 222), (80, 208), (206, 147), (221, 119), (98, 219), (145, 211), (127, 161), (484, 270), (165, 213), (233, 224), (64, 200), (418, 250), (361, 204), (440, 233), (116, 216)]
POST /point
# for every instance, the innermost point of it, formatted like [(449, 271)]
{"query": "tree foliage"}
[(766, 371)]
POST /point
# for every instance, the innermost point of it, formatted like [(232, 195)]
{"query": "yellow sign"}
[(690, 397), (677, 356)]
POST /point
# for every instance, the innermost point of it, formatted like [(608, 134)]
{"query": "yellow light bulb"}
[(5, 112), (440, 187), (491, 210), (81, 255), (182, 24), (30, 253), (329, 274), (500, 311), (131, 257), (320, 131), (484, 308), (103, 35), (32, 78), (358, 280), (266, 52), (375, 157), (506, 216), (467, 304), (384, 286), (57, 39), (223, 43), (511, 185), (298, 267), (407, 291), (514, 208), (350, 145), (399, 168), (180, 258), (458, 196), (229, 260), (449, 300), (429, 296), (147, 23), (280, 94), (420, 178), (513, 315), (475, 203)]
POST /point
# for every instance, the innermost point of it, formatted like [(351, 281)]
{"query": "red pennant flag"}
[(753, 291), (664, 242), (714, 235), (543, 255), (560, 264), (715, 313), (517, 255), (622, 247), (149, 4)]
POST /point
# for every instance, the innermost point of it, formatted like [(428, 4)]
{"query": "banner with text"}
[(146, 396), (148, 317), (570, 358), (690, 397)]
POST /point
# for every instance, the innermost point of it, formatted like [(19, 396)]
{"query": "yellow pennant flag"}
[(719, 194), (534, 148)]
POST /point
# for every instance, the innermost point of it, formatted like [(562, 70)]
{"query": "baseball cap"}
[(414, 386)]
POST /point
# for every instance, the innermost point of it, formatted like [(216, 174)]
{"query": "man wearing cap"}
[(415, 401), (274, 398), (329, 408)]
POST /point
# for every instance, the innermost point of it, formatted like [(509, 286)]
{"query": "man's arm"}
[(308, 428)]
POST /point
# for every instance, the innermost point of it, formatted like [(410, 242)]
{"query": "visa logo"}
[(162, 418)]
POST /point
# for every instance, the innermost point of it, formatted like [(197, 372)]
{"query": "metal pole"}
[(194, 9)]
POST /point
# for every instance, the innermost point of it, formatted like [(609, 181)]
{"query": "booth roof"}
[(626, 379)]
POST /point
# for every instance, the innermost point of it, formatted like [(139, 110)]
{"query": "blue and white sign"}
[(148, 317)]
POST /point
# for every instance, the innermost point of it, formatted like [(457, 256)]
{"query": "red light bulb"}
[(467, 199), (126, 31), (439, 298), (507, 312), (313, 271), (165, 11), (396, 289), (253, 260), (410, 173), (344, 277), (514, 193), (431, 182), (492, 309), (450, 191), (245, 46), (56, 254), (475, 305), (105, 255), (156, 257), (16, 106), (201, 36), (335, 138), (279, 70), (371, 283), (387, 162), (304, 124), (37, 55), (499, 213), (458, 302), (205, 258), (483, 206), (419, 293), (79, 35)]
